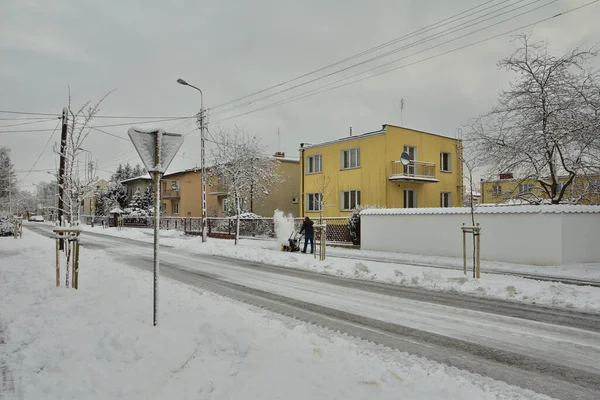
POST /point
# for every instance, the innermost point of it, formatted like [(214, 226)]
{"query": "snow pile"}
[(284, 227), (394, 272), (6, 224), (98, 343)]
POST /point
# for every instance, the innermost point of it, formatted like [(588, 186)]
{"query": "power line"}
[(28, 113), (309, 94), (26, 118), (43, 150), (108, 133), (461, 26), (97, 126), (406, 36), (29, 123)]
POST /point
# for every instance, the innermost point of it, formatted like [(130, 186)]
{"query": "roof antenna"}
[(402, 112), (278, 140)]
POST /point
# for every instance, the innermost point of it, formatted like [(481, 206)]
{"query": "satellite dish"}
[(405, 158)]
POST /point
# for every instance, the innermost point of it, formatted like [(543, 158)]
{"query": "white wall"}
[(538, 235)]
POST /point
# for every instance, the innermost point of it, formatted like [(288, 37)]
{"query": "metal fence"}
[(338, 228)]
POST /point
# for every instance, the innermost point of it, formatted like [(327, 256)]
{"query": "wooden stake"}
[(464, 251), (478, 253), (57, 262), (76, 264)]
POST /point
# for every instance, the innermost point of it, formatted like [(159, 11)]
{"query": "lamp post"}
[(201, 124)]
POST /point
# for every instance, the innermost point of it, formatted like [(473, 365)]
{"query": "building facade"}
[(140, 183), (88, 204), (510, 190), (181, 194), (339, 175), (283, 195)]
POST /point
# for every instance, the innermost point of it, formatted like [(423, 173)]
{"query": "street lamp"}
[(201, 123)]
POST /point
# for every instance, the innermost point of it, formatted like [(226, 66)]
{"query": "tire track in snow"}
[(536, 374)]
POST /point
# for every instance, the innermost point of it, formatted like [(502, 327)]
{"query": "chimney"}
[(350, 131), (279, 154), (507, 175)]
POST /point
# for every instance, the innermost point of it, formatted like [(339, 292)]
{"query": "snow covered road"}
[(546, 351)]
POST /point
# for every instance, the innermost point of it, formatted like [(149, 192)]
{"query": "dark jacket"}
[(307, 228)]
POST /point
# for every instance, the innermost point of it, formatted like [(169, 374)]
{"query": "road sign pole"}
[(157, 149), (156, 226)]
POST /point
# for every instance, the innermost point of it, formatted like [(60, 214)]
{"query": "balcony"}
[(217, 190), (170, 194), (415, 171)]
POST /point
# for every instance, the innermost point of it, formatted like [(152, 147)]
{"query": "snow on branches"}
[(546, 125), (240, 164)]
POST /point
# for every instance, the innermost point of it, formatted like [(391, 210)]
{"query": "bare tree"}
[(546, 125), (240, 163), (77, 188), (323, 186)]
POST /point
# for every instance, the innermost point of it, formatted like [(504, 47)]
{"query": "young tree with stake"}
[(74, 187)]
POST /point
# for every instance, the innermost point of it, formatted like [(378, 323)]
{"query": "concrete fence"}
[(536, 235)]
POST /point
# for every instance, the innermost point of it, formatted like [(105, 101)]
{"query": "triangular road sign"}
[(146, 141)]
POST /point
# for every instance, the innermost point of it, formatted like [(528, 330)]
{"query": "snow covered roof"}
[(146, 176), (116, 211), (378, 132), (530, 209)]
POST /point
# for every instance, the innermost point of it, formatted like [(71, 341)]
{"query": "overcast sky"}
[(234, 48)]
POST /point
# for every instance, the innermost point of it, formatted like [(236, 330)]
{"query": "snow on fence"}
[(338, 229), (537, 235)]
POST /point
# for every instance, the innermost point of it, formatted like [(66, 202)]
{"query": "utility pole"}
[(9, 194), (61, 171), (202, 127)]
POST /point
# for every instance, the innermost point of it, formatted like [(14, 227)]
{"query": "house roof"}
[(374, 133), (144, 177)]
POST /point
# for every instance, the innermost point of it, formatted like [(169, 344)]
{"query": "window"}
[(350, 158), (350, 199), (497, 190), (412, 154), (595, 186), (445, 162), (560, 186), (175, 208), (313, 202), (410, 198), (446, 199), (525, 188), (314, 164), (163, 207), (225, 205)]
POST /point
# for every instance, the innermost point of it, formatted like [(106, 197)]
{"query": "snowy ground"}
[(98, 343), (496, 286)]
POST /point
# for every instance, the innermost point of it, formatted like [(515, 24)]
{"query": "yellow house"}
[(507, 189), (337, 176), (283, 195), (88, 204), (181, 194)]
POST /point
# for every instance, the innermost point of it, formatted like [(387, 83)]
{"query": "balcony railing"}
[(415, 171), (217, 190), (170, 194)]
